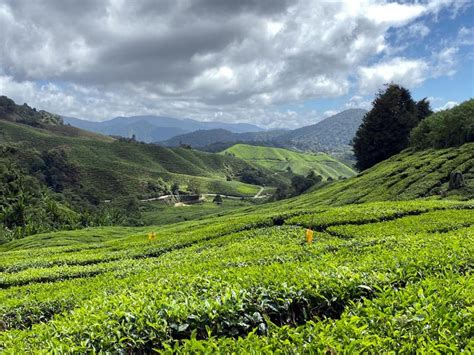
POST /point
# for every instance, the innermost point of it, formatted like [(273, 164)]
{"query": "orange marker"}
[(309, 236)]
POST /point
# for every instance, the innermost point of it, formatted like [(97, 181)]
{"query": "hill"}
[(209, 138), (281, 160), (115, 167), (405, 176), (332, 134), (248, 282), (10, 111), (154, 128), (386, 276)]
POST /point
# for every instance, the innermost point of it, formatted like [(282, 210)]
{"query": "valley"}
[(113, 245)]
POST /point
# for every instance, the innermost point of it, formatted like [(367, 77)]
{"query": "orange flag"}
[(309, 236)]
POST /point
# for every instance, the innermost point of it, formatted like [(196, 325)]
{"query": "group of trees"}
[(396, 122), (27, 115), (447, 128), (385, 130), (299, 184)]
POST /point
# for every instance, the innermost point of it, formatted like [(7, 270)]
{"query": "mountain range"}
[(332, 134), (155, 128)]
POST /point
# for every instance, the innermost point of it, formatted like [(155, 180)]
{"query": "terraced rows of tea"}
[(379, 276)]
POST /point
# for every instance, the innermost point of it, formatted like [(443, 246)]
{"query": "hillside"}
[(281, 160), (248, 282), (245, 280), (406, 176), (207, 139), (113, 168), (332, 134), (155, 128), (10, 111)]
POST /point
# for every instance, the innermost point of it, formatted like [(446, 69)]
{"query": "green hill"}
[(279, 159), (116, 167), (248, 282), (406, 176), (389, 269)]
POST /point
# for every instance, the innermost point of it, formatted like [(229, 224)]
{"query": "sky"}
[(274, 63)]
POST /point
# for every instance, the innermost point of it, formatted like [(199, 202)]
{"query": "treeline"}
[(40, 192), (448, 128), (299, 184)]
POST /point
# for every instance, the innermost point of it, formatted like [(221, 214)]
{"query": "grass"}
[(279, 160)]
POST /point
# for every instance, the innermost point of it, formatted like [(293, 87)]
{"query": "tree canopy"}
[(448, 128), (385, 130)]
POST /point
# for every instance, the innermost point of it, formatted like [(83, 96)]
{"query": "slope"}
[(280, 160), (112, 168), (405, 176), (331, 134), (202, 287), (206, 139), (387, 276)]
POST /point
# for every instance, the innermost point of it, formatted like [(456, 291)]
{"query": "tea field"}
[(379, 277)]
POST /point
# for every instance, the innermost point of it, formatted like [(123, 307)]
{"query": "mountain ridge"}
[(148, 128), (333, 134)]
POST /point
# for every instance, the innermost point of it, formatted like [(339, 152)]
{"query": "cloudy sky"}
[(275, 63)]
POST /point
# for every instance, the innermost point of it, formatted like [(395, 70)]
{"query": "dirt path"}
[(257, 195)]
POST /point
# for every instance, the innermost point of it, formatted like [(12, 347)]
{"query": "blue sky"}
[(444, 31), (276, 63)]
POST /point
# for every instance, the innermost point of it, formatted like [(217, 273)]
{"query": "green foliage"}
[(217, 199), (386, 128), (448, 128), (284, 160), (379, 278), (406, 176), (26, 207), (26, 115)]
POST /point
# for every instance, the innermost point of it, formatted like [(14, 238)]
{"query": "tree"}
[(194, 187), (217, 199), (447, 128), (423, 109), (175, 188), (385, 130)]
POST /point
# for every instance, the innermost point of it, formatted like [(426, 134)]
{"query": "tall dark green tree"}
[(385, 130)]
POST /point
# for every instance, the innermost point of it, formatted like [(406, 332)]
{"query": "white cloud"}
[(466, 36), (445, 62), (358, 101), (447, 105), (418, 30), (329, 113), (406, 72), (201, 59)]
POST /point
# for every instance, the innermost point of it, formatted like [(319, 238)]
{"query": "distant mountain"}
[(155, 128), (203, 139), (332, 134)]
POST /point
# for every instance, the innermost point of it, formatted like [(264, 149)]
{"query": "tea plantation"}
[(383, 276)]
